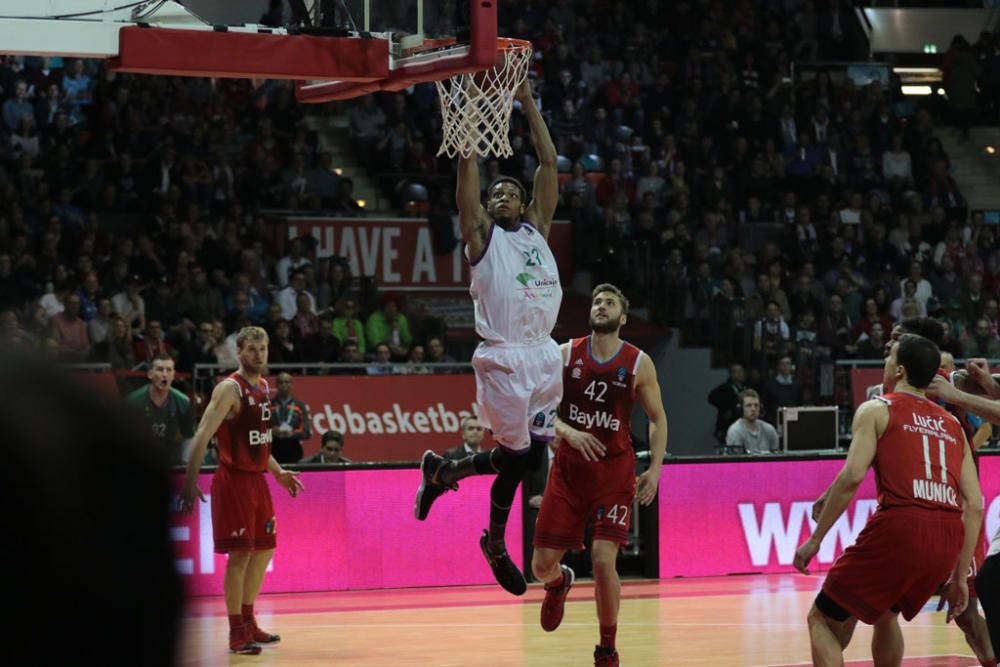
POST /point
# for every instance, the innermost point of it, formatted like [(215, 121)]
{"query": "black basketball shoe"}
[(506, 573), (430, 485)]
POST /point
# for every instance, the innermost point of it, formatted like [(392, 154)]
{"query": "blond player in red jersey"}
[(920, 535), (243, 521), (593, 475)]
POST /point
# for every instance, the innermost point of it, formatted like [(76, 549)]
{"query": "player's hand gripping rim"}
[(588, 445)]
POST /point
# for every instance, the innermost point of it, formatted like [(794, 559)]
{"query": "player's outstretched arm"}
[(981, 406), (869, 423), (545, 190), (648, 389), (956, 591), (225, 397), (472, 219)]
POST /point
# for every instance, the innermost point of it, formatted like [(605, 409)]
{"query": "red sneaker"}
[(241, 642), (554, 603), (259, 636), (605, 657)]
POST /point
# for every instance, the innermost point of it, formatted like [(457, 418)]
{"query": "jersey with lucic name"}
[(168, 423), (918, 460), (599, 396), (515, 286), (245, 440)]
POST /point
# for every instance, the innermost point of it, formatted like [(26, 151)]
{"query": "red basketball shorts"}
[(578, 491), (242, 515), (899, 559)]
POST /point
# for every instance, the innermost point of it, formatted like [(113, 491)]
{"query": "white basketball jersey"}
[(515, 286)]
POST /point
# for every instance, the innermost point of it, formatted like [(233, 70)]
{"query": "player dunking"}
[(516, 294), (593, 475), (243, 521), (927, 523)]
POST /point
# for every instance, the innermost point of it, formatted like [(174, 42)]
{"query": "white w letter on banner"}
[(772, 529)]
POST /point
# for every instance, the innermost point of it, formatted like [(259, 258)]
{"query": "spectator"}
[(390, 326), (202, 301), (872, 344), (472, 439), (100, 323), (288, 297), (117, 348), (771, 337), (347, 327), (415, 363), (130, 305), (782, 390), (290, 422), (294, 260), (436, 353), (70, 331), (908, 298), (282, 348), (725, 398), (382, 360), (749, 433), (331, 450), (17, 107), (960, 74), (982, 343), (151, 343)]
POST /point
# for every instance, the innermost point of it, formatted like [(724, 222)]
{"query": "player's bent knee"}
[(543, 561)]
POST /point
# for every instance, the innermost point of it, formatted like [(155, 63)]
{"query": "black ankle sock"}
[(485, 463)]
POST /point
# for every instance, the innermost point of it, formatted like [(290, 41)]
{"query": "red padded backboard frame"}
[(182, 52), (479, 54)]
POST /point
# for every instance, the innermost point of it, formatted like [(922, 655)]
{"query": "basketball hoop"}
[(476, 106)]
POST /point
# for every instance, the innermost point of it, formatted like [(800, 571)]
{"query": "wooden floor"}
[(738, 621)]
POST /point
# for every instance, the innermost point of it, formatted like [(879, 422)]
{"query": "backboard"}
[(335, 48)]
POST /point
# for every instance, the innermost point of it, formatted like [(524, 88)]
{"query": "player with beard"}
[(593, 476), (516, 296), (243, 521)]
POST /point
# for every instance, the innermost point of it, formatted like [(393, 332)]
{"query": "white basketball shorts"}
[(518, 389)]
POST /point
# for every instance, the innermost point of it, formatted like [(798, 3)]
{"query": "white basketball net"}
[(475, 107)]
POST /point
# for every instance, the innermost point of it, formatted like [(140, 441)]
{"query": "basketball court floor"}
[(752, 620)]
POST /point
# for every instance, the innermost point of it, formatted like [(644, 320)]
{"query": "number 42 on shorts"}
[(616, 514)]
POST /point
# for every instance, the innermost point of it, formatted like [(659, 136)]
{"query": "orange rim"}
[(503, 44)]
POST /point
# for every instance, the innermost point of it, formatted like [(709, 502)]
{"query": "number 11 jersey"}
[(918, 460)]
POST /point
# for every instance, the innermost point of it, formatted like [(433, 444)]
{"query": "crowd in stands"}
[(773, 214), (763, 211), (131, 224)]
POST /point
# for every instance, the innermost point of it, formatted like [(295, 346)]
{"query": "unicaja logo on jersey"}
[(524, 278)]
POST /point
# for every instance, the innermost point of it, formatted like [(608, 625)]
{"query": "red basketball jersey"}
[(245, 441), (598, 397), (918, 460)]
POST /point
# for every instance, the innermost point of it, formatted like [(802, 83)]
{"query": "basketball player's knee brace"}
[(830, 608)]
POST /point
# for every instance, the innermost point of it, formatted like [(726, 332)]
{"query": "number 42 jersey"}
[(918, 460), (598, 397)]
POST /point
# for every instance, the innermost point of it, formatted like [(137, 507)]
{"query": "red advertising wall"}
[(398, 251), (387, 418)]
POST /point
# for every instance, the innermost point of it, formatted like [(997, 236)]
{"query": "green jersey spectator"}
[(391, 327), (349, 327)]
